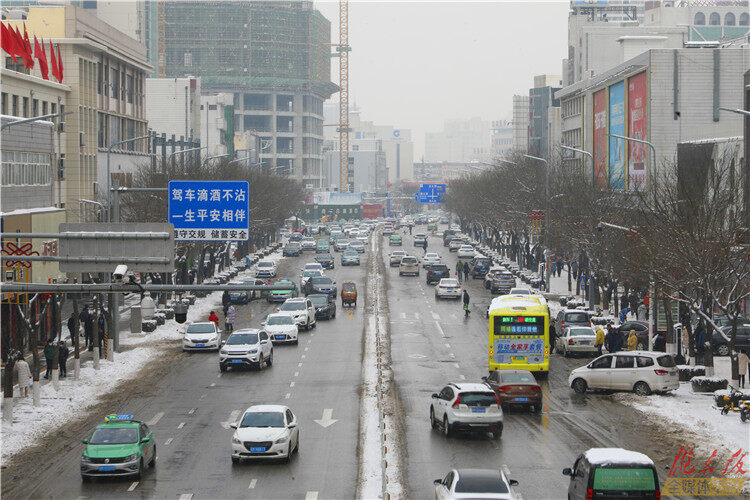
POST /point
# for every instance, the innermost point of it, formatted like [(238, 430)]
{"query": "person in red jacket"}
[(213, 317)]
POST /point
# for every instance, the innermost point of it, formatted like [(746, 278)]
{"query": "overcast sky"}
[(416, 64)]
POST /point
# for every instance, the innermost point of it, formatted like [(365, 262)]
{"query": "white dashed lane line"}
[(252, 484), (232, 418), (181, 425), (435, 316), (291, 384), (133, 486), (192, 410), (166, 443), (186, 496), (288, 395), (156, 418), (311, 495), (213, 384)]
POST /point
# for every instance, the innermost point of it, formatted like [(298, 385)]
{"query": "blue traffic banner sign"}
[(430, 193), (209, 210)]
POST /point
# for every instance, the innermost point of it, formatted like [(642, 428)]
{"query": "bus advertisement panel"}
[(600, 139), (637, 153), (519, 334), (617, 126)]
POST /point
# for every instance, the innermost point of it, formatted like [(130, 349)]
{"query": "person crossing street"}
[(466, 304)]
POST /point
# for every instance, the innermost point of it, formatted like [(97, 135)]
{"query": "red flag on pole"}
[(59, 63), (41, 57), (21, 48), (27, 47), (53, 62), (7, 43)]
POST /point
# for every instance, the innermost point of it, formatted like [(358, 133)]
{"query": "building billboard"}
[(600, 139), (617, 126), (637, 153)]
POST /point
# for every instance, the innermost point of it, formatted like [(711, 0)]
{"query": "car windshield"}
[(409, 260), (517, 378), (242, 338), (292, 306), (114, 435), (581, 331), (280, 320), (481, 484), (450, 282), (265, 264), (318, 300), (349, 287), (308, 274), (517, 291), (321, 280), (201, 328), (580, 317), (482, 262), (438, 267), (263, 419), (478, 398), (431, 256)]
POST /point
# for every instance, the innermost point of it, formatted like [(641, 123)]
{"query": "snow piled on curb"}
[(75, 396)]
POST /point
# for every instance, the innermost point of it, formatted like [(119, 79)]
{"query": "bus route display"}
[(519, 325), (518, 339)]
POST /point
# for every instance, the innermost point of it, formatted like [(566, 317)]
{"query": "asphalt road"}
[(432, 344), (189, 408)]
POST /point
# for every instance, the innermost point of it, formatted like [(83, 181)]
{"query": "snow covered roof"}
[(27, 211), (605, 456), (523, 301)]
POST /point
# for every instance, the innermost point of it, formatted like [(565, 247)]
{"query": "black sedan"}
[(325, 260), (436, 272), (325, 305), (321, 284)]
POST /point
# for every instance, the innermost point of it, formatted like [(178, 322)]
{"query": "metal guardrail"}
[(131, 287)]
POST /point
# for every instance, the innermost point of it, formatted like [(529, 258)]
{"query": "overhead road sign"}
[(209, 210), (92, 247), (430, 193)]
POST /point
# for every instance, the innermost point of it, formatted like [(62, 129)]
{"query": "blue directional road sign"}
[(430, 193), (209, 210)]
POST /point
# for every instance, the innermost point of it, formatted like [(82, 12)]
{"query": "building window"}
[(130, 88), (744, 19), (115, 82), (188, 59), (99, 78), (700, 19), (25, 110), (26, 169), (44, 107), (714, 19), (5, 103), (34, 107), (729, 19)]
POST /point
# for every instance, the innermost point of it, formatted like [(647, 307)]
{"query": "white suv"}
[(642, 372), (265, 269), (303, 311), (466, 407), (408, 265), (246, 348), (282, 328)]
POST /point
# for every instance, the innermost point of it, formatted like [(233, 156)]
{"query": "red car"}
[(516, 387)]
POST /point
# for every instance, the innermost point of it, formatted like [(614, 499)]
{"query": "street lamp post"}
[(181, 151), (640, 141), (583, 152), (738, 111), (546, 221), (109, 171)]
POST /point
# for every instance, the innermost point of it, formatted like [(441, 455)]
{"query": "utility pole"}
[(546, 222)]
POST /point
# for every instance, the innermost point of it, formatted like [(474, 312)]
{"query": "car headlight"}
[(223, 351), (281, 440), (85, 459), (235, 440), (252, 351), (131, 458)]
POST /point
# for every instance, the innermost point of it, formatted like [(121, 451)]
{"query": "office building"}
[(460, 141), (173, 106), (502, 138), (544, 129), (521, 123), (217, 124)]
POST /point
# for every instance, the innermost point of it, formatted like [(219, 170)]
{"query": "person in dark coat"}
[(466, 272), (102, 332), (466, 303), (552, 336), (63, 358), (225, 301), (72, 326), (88, 328), (49, 354)]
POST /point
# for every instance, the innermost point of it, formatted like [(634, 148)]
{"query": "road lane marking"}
[(219, 375), (456, 365), (435, 316), (288, 395), (192, 410), (186, 496), (156, 419), (311, 495), (203, 396), (252, 484), (306, 348), (416, 315), (291, 384), (133, 486), (299, 365), (417, 356), (447, 345), (403, 315), (166, 443), (303, 356), (296, 374), (452, 355), (440, 329), (232, 418), (181, 425), (213, 384), (462, 377)]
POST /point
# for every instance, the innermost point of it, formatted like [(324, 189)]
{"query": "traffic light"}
[(180, 312)]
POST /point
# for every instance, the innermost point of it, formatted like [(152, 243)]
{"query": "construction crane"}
[(343, 50)]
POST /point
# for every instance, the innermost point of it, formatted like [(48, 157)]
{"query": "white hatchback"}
[(203, 336), (265, 431), (282, 328), (642, 372), (448, 288), (577, 340), (466, 252), (408, 265), (467, 407), (265, 269)]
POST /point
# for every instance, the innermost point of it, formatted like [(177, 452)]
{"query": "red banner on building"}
[(601, 160), (372, 211), (637, 153)]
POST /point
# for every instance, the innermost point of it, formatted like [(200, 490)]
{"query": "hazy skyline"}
[(417, 64)]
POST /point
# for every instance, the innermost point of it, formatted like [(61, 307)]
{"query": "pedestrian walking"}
[(559, 266), (424, 245), (743, 361), (574, 269), (623, 316), (466, 304), (102, 333), (214, 318), (410, 228), (230, 318), (88, 328), (225, 301), (632, 341), (609, 339), (459, 270), (49, 354), (599, 343), (63, 359), (466, 272), (72, 326), (24, 377), (552, 336), (641, 314), (634, 301)]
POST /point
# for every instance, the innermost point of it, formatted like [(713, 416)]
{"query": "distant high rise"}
[(544, 114), (521, 122), (459, 141)]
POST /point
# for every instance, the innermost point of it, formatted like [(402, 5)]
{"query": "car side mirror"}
[(567, 472), (145, 440), (513, 482), (223, 342), (434, 395), (85, 441), (437, 481), (233, 425), (292, 425)]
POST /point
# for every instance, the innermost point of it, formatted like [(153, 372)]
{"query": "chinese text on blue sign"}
[(209, 210), (430, 193)]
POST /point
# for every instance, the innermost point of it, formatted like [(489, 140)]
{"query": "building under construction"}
[(273, 56)]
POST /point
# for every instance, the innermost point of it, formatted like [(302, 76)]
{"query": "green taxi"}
[(322, 247), (282, 295), (121, 446), (395, 240)]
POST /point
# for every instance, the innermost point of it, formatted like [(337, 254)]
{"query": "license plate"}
[(257, 449), (106, 468), (451, 289), (584, 342), (672, 374), (477, 410), (236, 361), (522, 399), (280, 337), (519, 358), (200, 345)]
